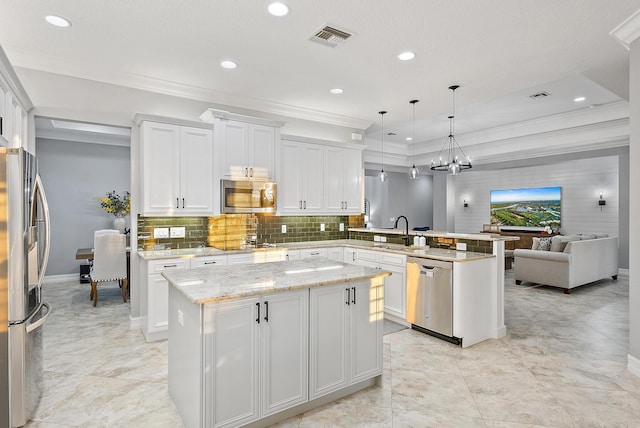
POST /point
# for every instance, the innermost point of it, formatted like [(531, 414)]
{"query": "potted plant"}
[(117, 205)]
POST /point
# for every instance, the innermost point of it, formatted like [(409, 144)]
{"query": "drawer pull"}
[(210, 263), (170, 266)]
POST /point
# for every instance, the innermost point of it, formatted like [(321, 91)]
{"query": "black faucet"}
[(406, 230)]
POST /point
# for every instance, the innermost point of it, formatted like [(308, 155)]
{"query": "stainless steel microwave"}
[(244, 196)]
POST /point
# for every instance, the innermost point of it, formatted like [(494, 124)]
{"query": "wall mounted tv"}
[(527, 208)]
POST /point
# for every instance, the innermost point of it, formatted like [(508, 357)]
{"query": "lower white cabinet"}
[(395, 286), (154, 297), (345, 335), (257, 351), (335, 253), (313, 252)]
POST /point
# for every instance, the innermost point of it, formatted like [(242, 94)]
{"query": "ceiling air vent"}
[(540, 95), (330, 36)]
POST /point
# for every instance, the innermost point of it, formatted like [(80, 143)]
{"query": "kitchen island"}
[(259, 344)]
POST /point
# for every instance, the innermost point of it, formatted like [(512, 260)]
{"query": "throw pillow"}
[(535, 243), (545, 244)]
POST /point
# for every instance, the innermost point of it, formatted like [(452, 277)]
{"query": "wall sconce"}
[(601, 202), (464, 203)]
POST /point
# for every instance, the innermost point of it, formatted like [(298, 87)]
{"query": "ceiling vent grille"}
[(540, 95), (330, 36)]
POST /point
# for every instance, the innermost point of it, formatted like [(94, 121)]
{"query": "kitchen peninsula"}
[(258, 345)]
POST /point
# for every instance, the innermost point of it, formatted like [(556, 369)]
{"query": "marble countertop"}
[(439, 234), (213, 284), (424, 252)]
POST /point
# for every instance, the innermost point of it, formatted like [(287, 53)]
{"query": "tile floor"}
[(562, 364)]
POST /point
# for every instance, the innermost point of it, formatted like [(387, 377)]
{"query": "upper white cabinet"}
[(5, 96), (319, 179), (247, 150), (14, 107), (343, 180), (300, 182), (177, 169)]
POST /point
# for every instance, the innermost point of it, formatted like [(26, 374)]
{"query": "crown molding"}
[(176, 89), (628, 30), (211, 114), (16, 87)]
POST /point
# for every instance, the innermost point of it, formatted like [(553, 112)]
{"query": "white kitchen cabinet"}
[(335, 253), (208, 261), (177, 169), (345, 335), (247, 150), (395, 286), (310, 253), (258, 352), (292, 255), (5, 96), (342, 180), (154, 297), (300, 181), (256, 257)]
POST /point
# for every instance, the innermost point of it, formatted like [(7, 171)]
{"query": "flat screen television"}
[(526, 208)]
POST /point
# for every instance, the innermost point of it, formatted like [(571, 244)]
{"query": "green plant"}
[(115, 204)]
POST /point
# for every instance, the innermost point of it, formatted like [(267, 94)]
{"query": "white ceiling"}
[(498, 51)]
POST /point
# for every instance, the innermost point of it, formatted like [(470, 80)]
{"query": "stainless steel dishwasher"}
[(430, 297)]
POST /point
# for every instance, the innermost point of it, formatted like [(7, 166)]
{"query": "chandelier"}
[(453, 164)]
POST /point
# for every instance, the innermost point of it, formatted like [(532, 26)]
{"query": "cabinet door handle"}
[(246, 172), (314, 254), (346, 205), (258, 319), (182, 203), (169, 266), (266, 309), (210, 263), (300, 204), (250, 172), (348, 296), (305, 205), (177, 203), (354, 295), (1, 129)]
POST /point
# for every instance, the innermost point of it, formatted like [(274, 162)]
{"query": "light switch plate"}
[(341, 227), (461, 246), (176, 232), (284, 228), (321, 227), (161, 232), (376, 238), (383, 239)]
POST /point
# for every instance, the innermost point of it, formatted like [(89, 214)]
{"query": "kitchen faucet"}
[(406, 230)]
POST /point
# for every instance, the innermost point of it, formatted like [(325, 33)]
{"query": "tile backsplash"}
[(233, 231)]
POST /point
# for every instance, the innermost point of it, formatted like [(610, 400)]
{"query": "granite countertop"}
[(424, 252), (435, 233), (213, 284)]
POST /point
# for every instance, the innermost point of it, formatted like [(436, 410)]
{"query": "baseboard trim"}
[(397, 319), (633, 365), (623, 271), (135, 323), (500, 332), (52, 279)]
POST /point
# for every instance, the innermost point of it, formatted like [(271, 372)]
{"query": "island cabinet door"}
[(232, 385), (284, 352), (328, 336), (366, 319)]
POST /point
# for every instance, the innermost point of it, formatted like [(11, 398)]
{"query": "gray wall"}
[(74, 175), (634, 207), (399, 195)]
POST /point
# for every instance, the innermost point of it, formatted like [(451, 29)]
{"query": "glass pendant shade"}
[(382, 176), (413, 172)]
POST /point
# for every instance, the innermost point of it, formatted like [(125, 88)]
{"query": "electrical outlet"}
[(383, 239), (180, 318), (376, 238), (321, 227), (461, 246), (341, 227), (284, 228), (161, 232), (176, 232)]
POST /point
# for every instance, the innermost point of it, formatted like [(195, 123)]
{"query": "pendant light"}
[(383, 175), (453, 165), (413, 172)]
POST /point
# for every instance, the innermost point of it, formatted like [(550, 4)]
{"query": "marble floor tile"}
[(562, 364)]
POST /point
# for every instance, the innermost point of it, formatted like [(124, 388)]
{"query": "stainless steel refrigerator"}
[(24, 251)]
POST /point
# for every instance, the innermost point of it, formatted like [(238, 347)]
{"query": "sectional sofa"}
[(568, 261)]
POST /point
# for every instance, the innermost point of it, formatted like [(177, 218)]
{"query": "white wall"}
[(399, 195), (74, 175)]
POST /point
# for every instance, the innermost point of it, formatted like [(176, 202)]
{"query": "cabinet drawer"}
[(369, 256), (315, 252), (200, 262), (157, 266), (393, 259), (275, 256), (245, 259)]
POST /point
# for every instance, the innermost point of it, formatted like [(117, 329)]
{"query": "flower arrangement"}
[(115, 204)]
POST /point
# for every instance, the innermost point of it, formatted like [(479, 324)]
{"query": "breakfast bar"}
[(254, 346)]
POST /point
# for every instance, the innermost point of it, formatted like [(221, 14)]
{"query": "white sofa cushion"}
[(559, 242)]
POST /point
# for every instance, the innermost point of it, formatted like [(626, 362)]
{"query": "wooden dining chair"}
[(109, 262)]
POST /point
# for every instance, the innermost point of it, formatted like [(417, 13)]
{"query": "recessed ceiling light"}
[(336, 91), (406, 56), (228, 64), (409, 139), (579, 99), (58, 21), (278, 9)]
